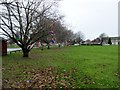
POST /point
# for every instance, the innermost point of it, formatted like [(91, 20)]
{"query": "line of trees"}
[(26, 22)]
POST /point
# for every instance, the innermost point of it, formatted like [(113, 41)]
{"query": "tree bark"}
[(59, 45), (48, 47), (41, 46), (25, 53)]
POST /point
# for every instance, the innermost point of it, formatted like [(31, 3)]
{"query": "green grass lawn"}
[(93, 66)]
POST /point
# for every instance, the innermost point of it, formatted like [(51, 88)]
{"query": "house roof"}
[(112, 38)]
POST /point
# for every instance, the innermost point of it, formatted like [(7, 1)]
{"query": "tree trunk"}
[(101, 42), (79, 43), (59, 45), (25, 53), (48, 47), (41, 46)]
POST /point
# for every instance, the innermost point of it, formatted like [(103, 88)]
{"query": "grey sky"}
[(92, 17)]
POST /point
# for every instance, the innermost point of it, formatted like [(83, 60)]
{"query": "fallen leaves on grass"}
[(50, 77), (87, 80)]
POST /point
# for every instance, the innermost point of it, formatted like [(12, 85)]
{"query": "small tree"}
[(109, 41)]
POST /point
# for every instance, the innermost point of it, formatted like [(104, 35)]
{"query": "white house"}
[(114, 40)]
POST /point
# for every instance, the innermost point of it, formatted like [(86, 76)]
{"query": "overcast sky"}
[(92, 17)]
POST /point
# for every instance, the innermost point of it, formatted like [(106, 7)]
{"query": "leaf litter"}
[(49, 78)]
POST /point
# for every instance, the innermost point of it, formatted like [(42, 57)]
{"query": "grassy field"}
[(71, 67)]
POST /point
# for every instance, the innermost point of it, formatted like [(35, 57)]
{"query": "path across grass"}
[(94, 66)]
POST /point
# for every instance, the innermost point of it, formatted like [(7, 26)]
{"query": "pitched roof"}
[(113, 38)]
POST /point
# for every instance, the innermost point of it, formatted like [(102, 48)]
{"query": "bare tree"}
[(79, 37), (26, 22), (62, 34), (103, 35)]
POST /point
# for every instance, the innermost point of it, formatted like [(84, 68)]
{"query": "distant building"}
[(87, 42), (104, 41), (114, 40), (96, 41)]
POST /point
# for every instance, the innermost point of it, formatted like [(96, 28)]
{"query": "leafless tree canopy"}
[(103, 35), (27, 21), (79, 37)]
